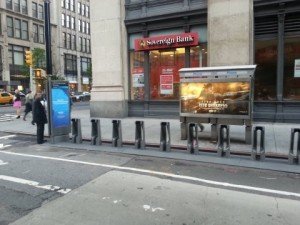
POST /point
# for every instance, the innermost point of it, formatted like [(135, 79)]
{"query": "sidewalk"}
[(277, 134)]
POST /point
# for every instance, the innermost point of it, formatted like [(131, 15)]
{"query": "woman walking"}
[(17, 103), (28, 104)]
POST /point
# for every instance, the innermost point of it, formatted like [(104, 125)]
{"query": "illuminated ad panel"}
[(230, 98)]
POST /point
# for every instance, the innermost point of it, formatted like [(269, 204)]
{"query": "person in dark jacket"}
[(39, 118)]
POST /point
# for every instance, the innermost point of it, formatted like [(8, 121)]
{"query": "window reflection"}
[(137, 76), (198, 56), (291, 85), (164, 75), (265, 75)]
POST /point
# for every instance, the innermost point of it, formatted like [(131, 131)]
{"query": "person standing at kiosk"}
[(39, 118)]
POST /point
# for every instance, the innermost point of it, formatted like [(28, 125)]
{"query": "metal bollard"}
[(165, 139), (222, 149), (261, 154), (294, 157), (76, 131), (140, 135), (96, 132), (117, 133), (192, 140)]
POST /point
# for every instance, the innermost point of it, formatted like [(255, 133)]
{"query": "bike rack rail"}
[(258, 155), (96, 132), (224, 141), (117, 133), (165, 138), (294, 154), (76, 131), (192, 140)]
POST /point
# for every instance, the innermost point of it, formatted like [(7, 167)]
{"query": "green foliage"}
[(39, 58), (25, 70), (57, 77)]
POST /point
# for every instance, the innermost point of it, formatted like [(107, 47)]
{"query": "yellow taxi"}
[(6, 98)]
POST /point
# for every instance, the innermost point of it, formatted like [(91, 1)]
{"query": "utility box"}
[(217, 95)]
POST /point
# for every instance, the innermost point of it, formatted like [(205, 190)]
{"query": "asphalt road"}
[(40, 184)]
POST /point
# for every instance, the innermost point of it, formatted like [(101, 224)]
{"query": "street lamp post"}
[(48, 37), (48, 59)]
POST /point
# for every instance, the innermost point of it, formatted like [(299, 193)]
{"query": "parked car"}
[(6, 98), (80, 96)]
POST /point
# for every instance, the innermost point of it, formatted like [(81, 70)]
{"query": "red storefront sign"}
[(167, 41)]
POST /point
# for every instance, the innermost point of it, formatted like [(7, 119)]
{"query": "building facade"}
[(139, 46), (22, 29), (74, 46)]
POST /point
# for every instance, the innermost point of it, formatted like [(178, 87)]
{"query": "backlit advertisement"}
[(60, 105), (230, 98)]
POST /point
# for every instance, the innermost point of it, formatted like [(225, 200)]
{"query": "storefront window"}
[(291, 83), (164, 75), (137, 76), (198, 56), (265, 75)]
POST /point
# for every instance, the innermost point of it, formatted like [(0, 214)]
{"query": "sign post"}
[(60, 111)]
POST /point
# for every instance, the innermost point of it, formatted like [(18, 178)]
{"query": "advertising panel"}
[(230, 98), (60, 105), (166, 80), (138, 77), (297, 68)]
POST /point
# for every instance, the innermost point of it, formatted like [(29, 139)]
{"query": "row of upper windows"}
[(69, 22), (17, 28), (69, 42), (21, 7), (82, 9)]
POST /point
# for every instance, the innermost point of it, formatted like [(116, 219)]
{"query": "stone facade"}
[(109, 49), (230, 36)]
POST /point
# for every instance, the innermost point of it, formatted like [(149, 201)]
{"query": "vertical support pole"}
[(224, 141), (140, 135), (117, 133), (294, 154), (261, 154), (48, 37), (96, 133), (192, 143), (165, 139)]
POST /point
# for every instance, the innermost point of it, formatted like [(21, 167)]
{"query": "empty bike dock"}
[(196, 143)]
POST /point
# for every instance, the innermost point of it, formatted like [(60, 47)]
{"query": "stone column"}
[(109, 59), (230, 32)]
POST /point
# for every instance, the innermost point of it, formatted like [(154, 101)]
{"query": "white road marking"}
[(4, 146), (148, 207), (269, 178), (158, 208), (34, 184), (117, 201), (3, 163), (151, 172), (8, 136)]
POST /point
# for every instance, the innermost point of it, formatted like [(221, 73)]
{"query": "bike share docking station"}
[(218, 96)]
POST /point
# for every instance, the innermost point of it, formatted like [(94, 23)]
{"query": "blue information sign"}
[(60, 105)]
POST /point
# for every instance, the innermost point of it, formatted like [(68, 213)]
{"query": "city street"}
[(63, 186)]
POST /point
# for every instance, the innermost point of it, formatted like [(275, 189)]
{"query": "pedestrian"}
[(17, 103), (39, 118), (28, 104)]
